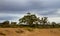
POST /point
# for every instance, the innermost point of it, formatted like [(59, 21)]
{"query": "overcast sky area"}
[(14, 9)]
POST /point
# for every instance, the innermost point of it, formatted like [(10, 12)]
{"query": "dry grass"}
[(29, 32)]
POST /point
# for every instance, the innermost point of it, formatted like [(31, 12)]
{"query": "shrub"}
[(2, 34), (19, 31), (30, 29)]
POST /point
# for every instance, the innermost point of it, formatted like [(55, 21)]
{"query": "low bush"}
[(30, 29), (2, 34), (19, 31)]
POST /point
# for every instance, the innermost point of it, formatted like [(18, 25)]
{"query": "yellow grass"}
[(25, 32)]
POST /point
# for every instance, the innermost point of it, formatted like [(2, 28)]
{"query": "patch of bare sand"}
[(24, 32)]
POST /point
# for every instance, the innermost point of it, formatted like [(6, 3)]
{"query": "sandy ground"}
[(24, 32)]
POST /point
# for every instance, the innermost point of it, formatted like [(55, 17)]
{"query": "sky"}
[(12, 10)]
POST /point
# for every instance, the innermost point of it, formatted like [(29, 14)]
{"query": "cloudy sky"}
[(14, 9)]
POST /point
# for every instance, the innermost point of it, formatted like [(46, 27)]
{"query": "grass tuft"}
[(2, 34), (19, 31)]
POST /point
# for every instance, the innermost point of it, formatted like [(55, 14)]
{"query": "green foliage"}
[(44, 20), (28, 19), (5, 23), (53, 24)]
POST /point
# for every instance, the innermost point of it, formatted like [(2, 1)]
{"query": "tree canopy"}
[(30, 18)]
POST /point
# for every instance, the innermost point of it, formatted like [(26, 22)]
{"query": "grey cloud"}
[(52, 12), (8, 17), (39, 5)]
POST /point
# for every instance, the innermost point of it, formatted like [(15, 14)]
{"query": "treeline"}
[(31, 20), (6, 24)]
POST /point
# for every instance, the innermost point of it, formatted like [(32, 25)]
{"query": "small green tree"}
[(44, 20), (6, 22), (53, 24)]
